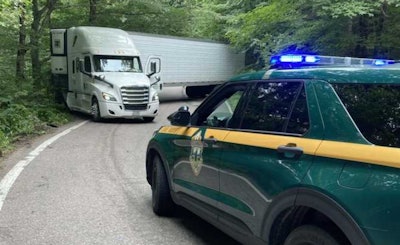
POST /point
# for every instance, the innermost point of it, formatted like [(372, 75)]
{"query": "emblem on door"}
[(196, 153)]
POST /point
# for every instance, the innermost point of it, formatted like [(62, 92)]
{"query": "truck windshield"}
[(116, 64), (375, 109)]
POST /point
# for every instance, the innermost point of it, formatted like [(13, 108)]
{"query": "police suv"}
[(304, 153)]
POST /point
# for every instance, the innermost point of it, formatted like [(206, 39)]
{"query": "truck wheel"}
[(161, 197), (95, 111), (148, 119), (310, 235)]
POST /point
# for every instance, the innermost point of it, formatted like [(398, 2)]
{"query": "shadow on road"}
[(207, 232)]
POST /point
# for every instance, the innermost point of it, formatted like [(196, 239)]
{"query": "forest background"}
[(359, 28)]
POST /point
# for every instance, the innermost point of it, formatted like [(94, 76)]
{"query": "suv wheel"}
[(310, 235), (161, 197)]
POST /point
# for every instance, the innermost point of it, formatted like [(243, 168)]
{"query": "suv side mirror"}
[(180, 117)]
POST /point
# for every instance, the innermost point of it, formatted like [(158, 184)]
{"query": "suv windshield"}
[(375, 108), (116, 64)]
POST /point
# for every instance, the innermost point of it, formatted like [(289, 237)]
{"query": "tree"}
[(41, 18), (22, 47), (92, 11)]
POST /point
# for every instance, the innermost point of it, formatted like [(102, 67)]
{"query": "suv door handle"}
[(290, 151)]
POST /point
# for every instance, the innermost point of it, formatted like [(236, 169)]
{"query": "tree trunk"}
[(92, 12), (40, 19), (35, 58), (380, 50), (21, 52)]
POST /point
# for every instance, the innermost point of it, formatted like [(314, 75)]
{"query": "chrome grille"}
[(135, 98)]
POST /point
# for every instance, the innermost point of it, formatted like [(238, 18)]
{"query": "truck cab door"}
[(72, 97), (85, 83), (153, 71)]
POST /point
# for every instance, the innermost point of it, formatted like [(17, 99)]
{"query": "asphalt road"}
[(89, 187)]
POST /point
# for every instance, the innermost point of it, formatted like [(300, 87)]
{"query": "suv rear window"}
[(375, 108)]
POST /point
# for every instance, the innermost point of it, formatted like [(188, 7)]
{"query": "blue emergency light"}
[(298, 60), (383, 62), (293, 59)]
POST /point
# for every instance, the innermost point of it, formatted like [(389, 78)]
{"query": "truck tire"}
[(148, 119), (96, 117), (161, 197), (310, 235)]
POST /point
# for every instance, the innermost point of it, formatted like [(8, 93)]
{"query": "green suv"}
[(304, 153)]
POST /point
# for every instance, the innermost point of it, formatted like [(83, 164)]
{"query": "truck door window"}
[(88, 64), (277, 107), (77, 64)]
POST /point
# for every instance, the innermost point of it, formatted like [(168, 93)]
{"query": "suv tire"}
[(310, 235), (161, 197)]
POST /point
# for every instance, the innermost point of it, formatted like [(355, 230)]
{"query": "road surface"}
[(89, 187)]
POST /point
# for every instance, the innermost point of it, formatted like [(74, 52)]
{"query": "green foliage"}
[(4, 143), (16, 120)]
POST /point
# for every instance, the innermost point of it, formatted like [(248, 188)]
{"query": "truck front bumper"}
[(116, 110)]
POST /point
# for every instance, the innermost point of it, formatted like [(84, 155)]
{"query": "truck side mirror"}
[(153, 67)]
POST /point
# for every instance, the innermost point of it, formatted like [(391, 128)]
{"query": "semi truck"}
[(99, 71), (195, 66), (110, 73)]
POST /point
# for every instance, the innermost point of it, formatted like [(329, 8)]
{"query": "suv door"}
[(195, 175), (268, 154)]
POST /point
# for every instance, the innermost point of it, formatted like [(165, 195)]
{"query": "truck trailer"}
[(99, 71), (195, 65)]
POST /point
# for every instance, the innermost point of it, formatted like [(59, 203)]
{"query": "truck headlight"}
[(108, 97), (155, 97)]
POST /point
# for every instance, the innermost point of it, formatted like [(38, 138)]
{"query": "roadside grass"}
[(18, 121)]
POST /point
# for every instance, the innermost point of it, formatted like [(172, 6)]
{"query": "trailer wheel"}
[(95, 110), (310, 235)]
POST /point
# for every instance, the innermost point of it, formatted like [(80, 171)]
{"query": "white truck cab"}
[(98, 71)]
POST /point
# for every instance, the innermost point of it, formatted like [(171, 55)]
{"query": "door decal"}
[(196, 153)]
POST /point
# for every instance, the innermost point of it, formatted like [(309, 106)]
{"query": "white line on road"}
[(8, 180)]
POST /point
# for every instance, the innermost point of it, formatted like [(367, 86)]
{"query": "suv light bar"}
[(292, 60)]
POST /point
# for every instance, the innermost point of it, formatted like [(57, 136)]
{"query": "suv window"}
[(219, 111), (277, 107), (221, 116), (375, 108)]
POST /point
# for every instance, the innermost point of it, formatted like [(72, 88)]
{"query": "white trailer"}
[(193, 64), (99, 71)]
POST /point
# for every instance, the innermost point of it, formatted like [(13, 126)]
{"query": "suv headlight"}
[(108, 97)]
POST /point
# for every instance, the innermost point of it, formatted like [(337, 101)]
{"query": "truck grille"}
[(135, 98)]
